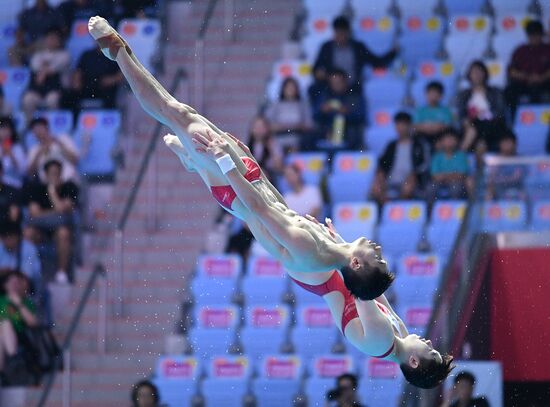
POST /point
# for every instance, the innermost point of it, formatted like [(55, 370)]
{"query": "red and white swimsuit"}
[(225, 195), (336, 283)]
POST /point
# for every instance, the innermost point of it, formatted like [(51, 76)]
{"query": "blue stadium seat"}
[(510, 6), (497, 72), (318, 30), (377, 139), (376, 32), (417, 279), (531, 127), (297, 69), (7, 38), (177, 377), (468, 39), (379, 8), (354, 220), (420, 38), (207, 342), (142, 35), (264, 290), (401, 226), (227, 381), (540, 215), (97, 134), (79, 40), (416, 317), (351, 178), (316, 389), (313, 165), (503, 216), (330, 8), (444, 225), (504, 45), (382, 117), (513, 23), (385, 92), (60, 122), (380, 384), (216, 280), (408, 8), (14, 82), (464, 7), (538, 179), (428, 71), (323, 373), (278, 382), (312, 342)]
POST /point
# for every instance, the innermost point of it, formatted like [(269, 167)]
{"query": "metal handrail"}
[(99, 270), (206, 20)]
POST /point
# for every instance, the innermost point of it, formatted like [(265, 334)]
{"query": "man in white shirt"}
[(304, 199)]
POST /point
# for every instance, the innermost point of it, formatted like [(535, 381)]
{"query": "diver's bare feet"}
[(174, 144), (106, 36)]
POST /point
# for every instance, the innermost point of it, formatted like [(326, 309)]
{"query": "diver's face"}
[(422, 348), (367, 252)]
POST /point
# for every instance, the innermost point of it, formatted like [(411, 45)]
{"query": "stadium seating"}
[(428, 71), (353, 220), (14, 81), (315, 332), (330, 8), (278, 382), (323, 373), (376, 32), (297, 69), (455, 7), (510, 6), (504, 216), (497, 73), (380, 383), (540, 215), (7, 37), (176, 378), (227, 381), (408, 8), (415, 317), (385, 92), (214, 330), (265, 282), (216, 280), (318, 30), (379, 8), (504, 45), (79, 41), (96, 135), (381, 130), (468, 39), (420, 38), (531, 127), (417, 279), (59, 121), (351, 177), (313, 165), (444, 225), (142, 35), (401, 226)]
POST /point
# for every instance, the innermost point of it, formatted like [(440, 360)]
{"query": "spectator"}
[(52, 207), (240, 241), (529, 69), (345, 394), (61, 147), (346, 54), (402, 166), (264, 148), (462, 392), (10, 200), (290, 116), (17, 253), (47, 67), (20, 53), (302, 198), (505, 180), (37, 21), (481, 110), (12, 155), (145, 394), (5, 107), (72, 95), (16, 312), (433, 118), (100, 77), (340, 112), (449, 169), (138, 8), (72, 10)]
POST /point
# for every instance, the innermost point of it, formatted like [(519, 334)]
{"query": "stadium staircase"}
[(158, 258)]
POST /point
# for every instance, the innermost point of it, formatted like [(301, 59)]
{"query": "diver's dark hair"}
[(144, 383), (429, 373), (367, 284)]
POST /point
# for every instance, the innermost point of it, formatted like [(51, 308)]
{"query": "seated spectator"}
[(61, 147), (505, 181), (529, 69), (480, 110), (345, 393), (100, 77), (20, 53), (264, 148), (17, 253), (10, 201), (340, 112), (35, 22), (72, 10), (302, 198), (16, 312), (433, 118), (47, 66), (72, 95), (449, 169), (345, 54), (402, 166), (240, 241), (290, 116), (52, 206), (461, 395), (12, 154), (145, 394), (5, 106), (138, 8)]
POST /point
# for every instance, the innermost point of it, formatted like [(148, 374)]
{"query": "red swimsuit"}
[(225, 195), (336, 283)]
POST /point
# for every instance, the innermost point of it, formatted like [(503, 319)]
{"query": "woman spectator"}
[(12, 155), (290, 116), (47, 67), (16, 312), (145, 394), (264, 148), (302, 198), (481, 110)]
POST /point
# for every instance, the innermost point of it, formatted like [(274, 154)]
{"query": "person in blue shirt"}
[(433, 118), (449, 169)]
